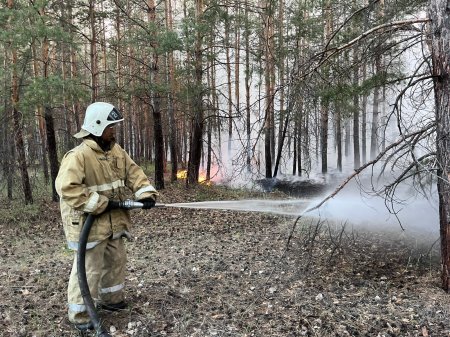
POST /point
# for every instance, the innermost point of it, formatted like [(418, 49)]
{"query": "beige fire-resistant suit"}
[(88, 178)]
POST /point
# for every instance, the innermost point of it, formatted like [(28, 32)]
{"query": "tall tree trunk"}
[(209, 149), (281, 70), (247, 89), (305, 164), (52, 150), (170, 98), (69, 141), (356, 112), (364, 120), (295, 146), (159, 142), (324, 136), (157, 119), (327, 15), (272, 83), (93, 52), (375, 115), (356, 145), (374, 135), (104, 47), (118, 66), (18, 125), (384, 118), (269, 89), (229, 86), (73, 70), (48, 116), (440, 26), (211, 106), (237, 54), (347, 137), (281, 141), (339, 137), (40, 119), (299, 141), (267, 139), (365, 26), (8, 146), (7, 153), (197, 105)]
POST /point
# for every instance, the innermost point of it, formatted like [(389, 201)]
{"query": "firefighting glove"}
[(148, 203), (112, 204)]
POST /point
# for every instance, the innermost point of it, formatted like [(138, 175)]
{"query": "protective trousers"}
[(105, 273)]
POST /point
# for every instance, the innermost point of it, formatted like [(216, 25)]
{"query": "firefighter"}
[(91, 176)]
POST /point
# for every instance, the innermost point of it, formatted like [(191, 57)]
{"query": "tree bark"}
[(281, 141), (440, 28), (356, 145), (40, 120), (7, 145), (157, 119), (364, 120), (247, 89), (48, 116), (325, 105), (237, 54), (229, 86), (18, 125), (197, 106), (281, 70), (375, 115), (52, 150), (93, 52), (170, 99), (339, 137), (18, 136), (269, 89)]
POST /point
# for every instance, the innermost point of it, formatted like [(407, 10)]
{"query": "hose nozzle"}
[(130, 204)]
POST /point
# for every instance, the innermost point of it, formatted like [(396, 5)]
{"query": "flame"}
[(182, 174), (202, 178)]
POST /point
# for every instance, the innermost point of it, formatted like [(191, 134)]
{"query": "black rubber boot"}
[(113, 306), (84, 326)]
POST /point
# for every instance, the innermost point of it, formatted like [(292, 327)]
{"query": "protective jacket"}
[(88, 178)]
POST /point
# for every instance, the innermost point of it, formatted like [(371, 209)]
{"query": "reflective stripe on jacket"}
[(88, 178)]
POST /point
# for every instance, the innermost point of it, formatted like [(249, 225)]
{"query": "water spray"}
[(281, 207)]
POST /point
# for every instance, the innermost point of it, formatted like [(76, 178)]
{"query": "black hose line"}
[(81, 263), (82, 279)]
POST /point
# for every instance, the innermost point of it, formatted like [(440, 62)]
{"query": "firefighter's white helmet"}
[(98, 116)]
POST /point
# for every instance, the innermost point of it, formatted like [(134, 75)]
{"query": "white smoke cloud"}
[(414, 212)]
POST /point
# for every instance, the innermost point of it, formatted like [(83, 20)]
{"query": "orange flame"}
[(182, 174)]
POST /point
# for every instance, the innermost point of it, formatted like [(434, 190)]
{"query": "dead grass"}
[(223, 273)]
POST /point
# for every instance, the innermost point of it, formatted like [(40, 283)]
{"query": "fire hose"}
[(81, 257)]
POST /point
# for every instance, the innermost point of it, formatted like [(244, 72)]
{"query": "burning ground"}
[(227, 273)]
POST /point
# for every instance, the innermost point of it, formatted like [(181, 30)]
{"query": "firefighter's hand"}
[(148, 203), (112, 204)]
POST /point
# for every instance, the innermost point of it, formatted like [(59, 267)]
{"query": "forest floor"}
[(225, 273)]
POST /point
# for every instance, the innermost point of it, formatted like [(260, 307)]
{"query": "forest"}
[(293, 87), (232, 91)]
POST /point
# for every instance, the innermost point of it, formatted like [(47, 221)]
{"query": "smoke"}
[(411, 212), (357, 205)]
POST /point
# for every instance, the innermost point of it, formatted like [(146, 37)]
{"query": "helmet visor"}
[(115, 116)]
